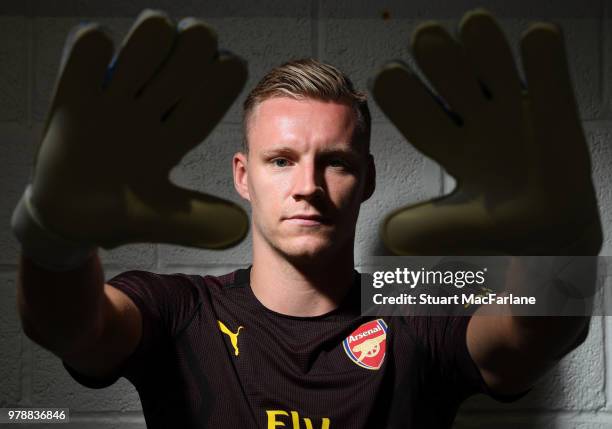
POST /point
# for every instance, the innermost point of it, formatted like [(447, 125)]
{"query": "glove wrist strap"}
[(41, 245)]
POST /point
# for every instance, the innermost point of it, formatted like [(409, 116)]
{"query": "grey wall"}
[(354, 36)]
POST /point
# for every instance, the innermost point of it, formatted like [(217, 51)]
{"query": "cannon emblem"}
[(366, 346)]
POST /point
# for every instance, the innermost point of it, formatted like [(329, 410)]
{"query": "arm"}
[(92, 326), (136, 114), (512, 353), (523, 172)]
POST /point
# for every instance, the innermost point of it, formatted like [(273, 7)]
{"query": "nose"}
[(309, 182)]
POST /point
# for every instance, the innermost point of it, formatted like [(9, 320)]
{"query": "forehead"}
[(301, 123)]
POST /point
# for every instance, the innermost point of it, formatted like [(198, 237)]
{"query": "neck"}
[(301, 289)]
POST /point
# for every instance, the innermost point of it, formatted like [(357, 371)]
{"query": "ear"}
[(241, 176), (370, 178)]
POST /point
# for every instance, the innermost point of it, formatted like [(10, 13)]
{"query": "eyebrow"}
[(281, 150), (288, 150)]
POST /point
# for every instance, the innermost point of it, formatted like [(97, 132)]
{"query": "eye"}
[(280, 162), (339, 163)]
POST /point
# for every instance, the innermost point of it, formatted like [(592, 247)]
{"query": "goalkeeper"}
[(283, 343)]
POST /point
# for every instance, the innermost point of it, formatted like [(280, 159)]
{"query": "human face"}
[(304, 176)]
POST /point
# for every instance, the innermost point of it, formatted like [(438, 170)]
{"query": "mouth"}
[(308, 220)]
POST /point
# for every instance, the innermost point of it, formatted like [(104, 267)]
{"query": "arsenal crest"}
[(366, 346)]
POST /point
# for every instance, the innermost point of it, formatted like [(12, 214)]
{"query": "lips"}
[(307, 219)]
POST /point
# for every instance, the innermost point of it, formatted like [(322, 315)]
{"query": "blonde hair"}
[(309, 78)]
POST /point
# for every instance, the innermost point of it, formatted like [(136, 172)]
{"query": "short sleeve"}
[(167, 303)]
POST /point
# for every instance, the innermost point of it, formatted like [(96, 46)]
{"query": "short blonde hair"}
[(309, 78)]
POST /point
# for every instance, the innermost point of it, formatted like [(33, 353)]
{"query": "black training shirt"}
[(212, 356)]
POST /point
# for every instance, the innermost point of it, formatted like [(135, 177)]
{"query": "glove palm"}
[(102, 170), (520, 158)]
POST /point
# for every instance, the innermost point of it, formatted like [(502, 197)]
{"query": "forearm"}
[(61, 310), (550, 330), (546, 338), (513, 352)]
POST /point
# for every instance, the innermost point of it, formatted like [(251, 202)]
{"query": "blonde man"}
[(282, 343)]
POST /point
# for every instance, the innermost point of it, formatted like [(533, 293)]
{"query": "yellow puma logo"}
[(232, 336)]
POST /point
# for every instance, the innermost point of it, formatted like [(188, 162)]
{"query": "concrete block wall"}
[(357, 36)]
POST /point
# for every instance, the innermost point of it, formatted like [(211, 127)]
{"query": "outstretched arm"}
[(523, 174), (114, 131)]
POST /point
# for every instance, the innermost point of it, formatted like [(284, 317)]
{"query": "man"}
[(268, 346)]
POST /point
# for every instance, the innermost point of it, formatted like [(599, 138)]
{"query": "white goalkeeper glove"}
[(112, 136), (519, 156)]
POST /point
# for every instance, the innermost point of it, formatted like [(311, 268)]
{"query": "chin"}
[(309, 249)]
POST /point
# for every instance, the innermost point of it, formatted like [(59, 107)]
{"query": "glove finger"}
[(170, 214), (196, 116), (558, 130), (192, 54), (414, 111), (143, 51), (465, 223), (433, 228), (491, 58), (87, 53), (443, 60)]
